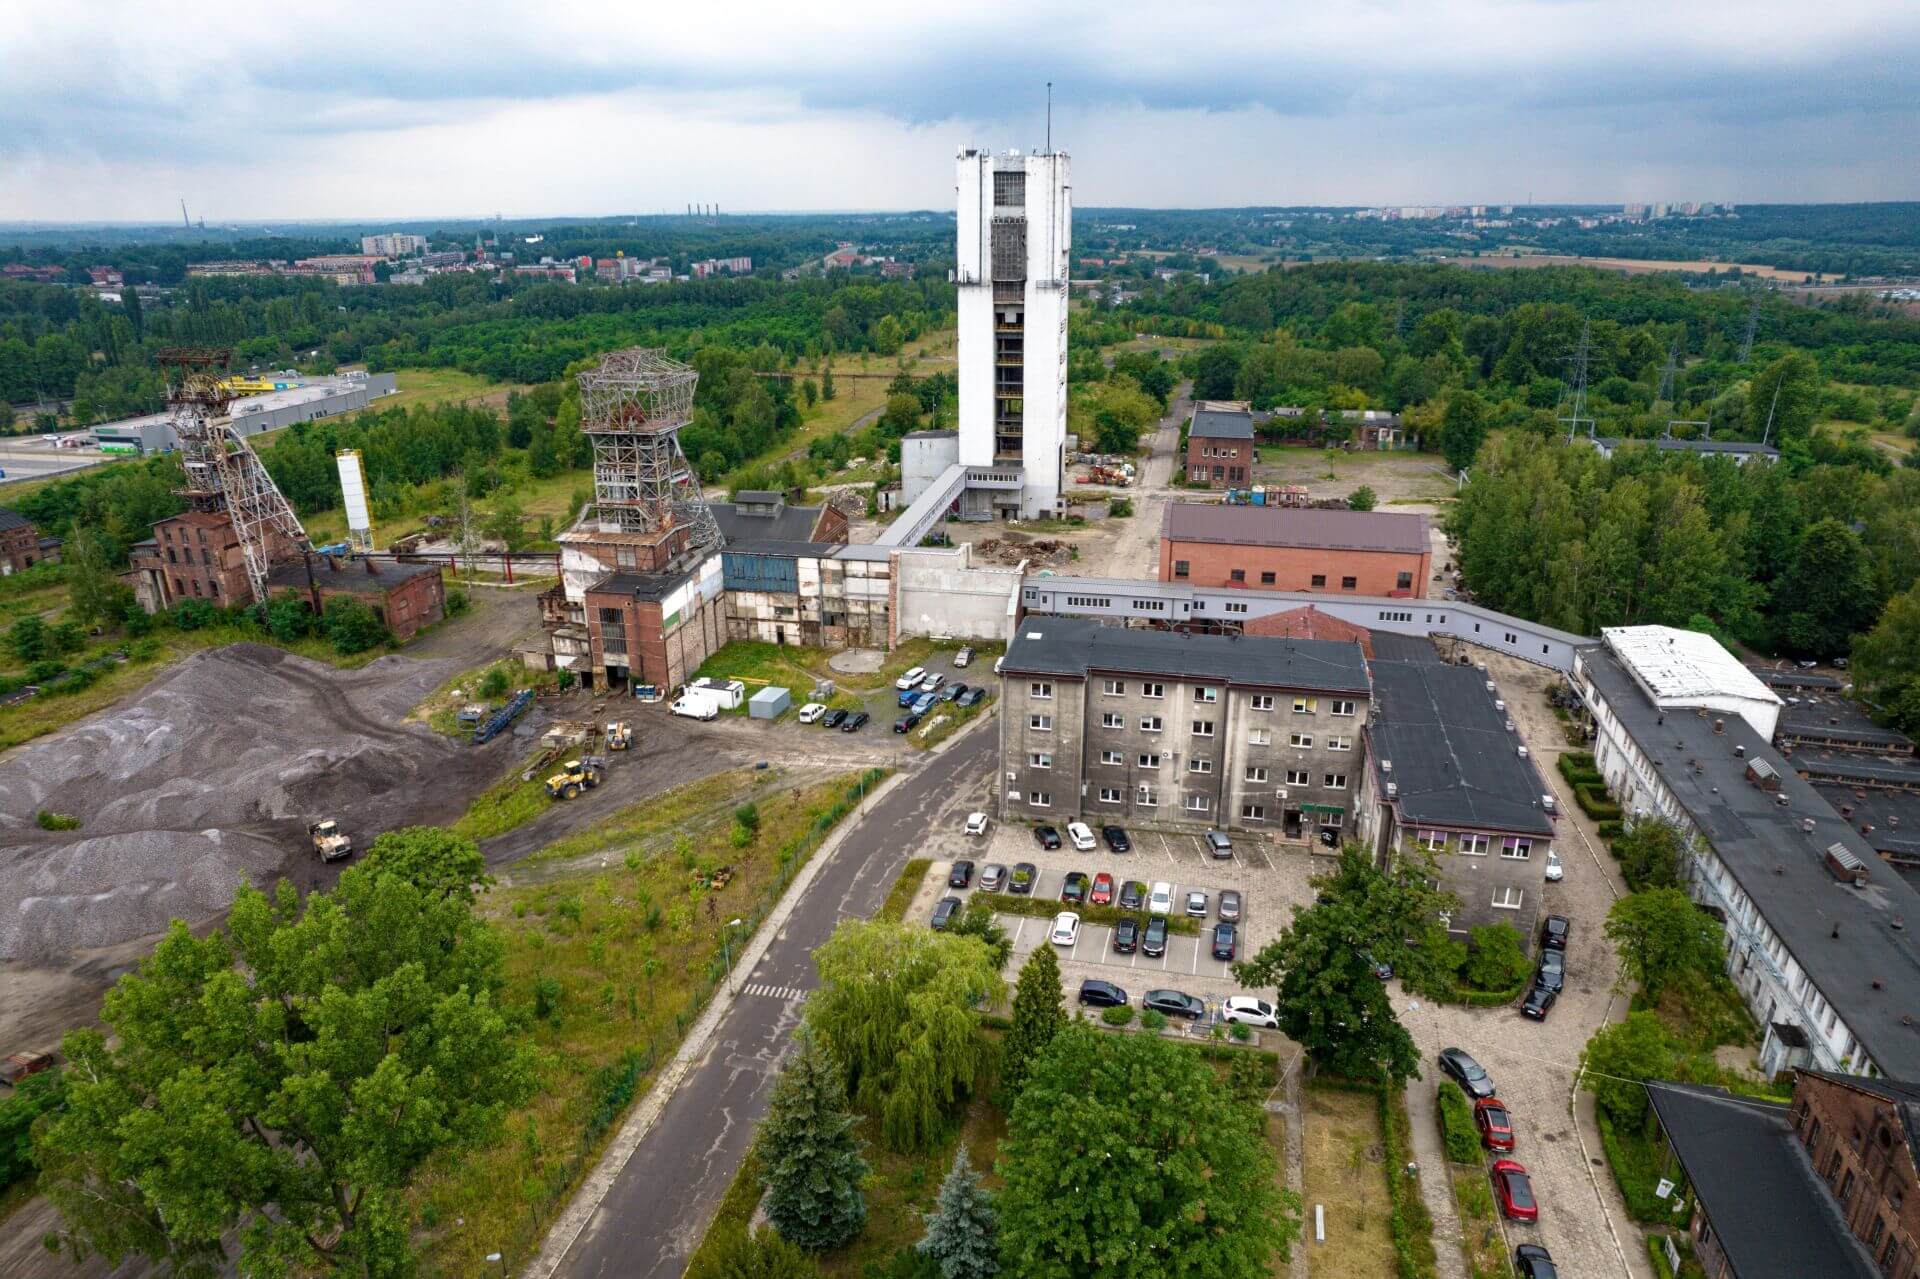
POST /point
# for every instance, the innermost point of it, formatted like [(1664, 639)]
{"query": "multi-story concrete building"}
[(393, 244), (1153, 727), (195, 555), (1220, 445), (1378, 553), (1015, 215)]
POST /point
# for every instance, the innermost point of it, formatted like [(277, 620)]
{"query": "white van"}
[(694, 706)]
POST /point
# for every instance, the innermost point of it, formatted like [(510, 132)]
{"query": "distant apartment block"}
[(722, 266), (393, 244)]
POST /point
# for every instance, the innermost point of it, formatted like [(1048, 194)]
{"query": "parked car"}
[(961, 875), (1381, 968), (1539, 1002), (952, 691), (1230, 905), (906, 723), (1224, 939), (972, 697), (812, 711), (1066, 929), (1133, 895), (1531, 1261), (1554, 870), (944, 910), (1249, 1011), (1329, 837), (976, 823), (1095, 993), (1046, 836), (1022, 879), (1102, 893), (993, 877), (1554, 932), (1081, 835), (913, 676), (964, 657), (1160, 900), (1154, 943), (1513, 1190), (1218, 845), (1126, 936), (1174, 1003), (833, 719), (922, 704), (933, 681), (907, 698), (1553, 970), (1197, 904), (1467, 1072), (1116, 839), (855, 722), (1495, 1124), (1074, 890), (998, 662)]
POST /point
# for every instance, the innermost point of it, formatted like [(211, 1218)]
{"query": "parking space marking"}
[(1165, 848)]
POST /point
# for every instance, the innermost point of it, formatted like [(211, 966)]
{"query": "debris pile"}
[(1037, 551)]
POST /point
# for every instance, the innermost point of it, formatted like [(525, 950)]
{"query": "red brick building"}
[(193, 555), (405, 597), (1220, 444), (1340, 552), (21, 546)]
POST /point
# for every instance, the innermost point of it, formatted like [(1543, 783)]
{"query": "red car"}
[(1495, 1124), (1102, 890), (1514, 1191)]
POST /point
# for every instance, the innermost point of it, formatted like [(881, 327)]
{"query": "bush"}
[(191, 615), (56, 821), (33, 1097), (1118, 1016), (1611, 831), (1594, 803), (456, 603), (352, 627), (1636, 1170), (547, 994), (495, 682), (900, 896), (1496, 961), (1457, 1131), (1153, 1019), (1120, 508)]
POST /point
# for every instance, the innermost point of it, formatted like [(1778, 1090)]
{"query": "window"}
[(1301, 741), (1199, 803), (1297, 777), (1878, 1232), (1040, 798), (1349, 583), (1149, 723), (1039, 759), (1113, 687), (1199, 766), (1149, 759), (1256, 774), (1180, 567), (1338, 781), (1330, 820), (1153, 690), (1112, 757), (1262, 702), (1113, 719), (1260, 737), (1403, 581), (1111, 795), (1475, 845), (1306, 705), (1266, 579), (1238, 575), (1339, 743), (1508, 898), (1846, 1189), (1343, 708), (1205, 695), (1040, 689), (1147, 797), (1253, 812), (1203, 728), (1040, 723), (1434, 841), (1319, 580), (1515, 849)]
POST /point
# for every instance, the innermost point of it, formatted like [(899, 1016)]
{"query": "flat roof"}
[(1077, 646), (1773, 1215), (1693, 446), (1221, 424), (742, 528), (1685, 664), (350, 576), (1454, 762), (1780, 865), (1394, 531), (641, 586), (1894, 816)]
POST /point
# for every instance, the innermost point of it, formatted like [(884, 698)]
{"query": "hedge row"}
[(1408, 1219), (904, 888), (1594, 803), (1047, 908), (1613, 830), (1457, 1131)]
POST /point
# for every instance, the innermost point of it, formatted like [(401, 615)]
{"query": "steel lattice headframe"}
[(638, 389)]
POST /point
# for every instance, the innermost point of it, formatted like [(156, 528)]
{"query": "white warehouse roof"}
[(1688, 669)]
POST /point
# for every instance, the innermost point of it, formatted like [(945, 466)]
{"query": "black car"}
[(834, 719), (1554, 931), (1126, 936), (1467, 1072), (1154, 944), (1553, 970), (1021, 881), (961, 875), (1074, 890), (1531, 1261), (1223, 941), (906, 722), (855, 722), (1116, 839), (972, 697), (1133, 894), (1539, 1000), (1046, 836), (1101, 994), (944, 910), (1174, 1003), (952, 692)]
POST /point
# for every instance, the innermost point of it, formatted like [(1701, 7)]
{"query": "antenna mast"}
[(1049, 117)]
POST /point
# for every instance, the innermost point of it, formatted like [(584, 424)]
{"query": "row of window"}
[(1206, 694), (1318, 582), (1513, 847), (1151, 759), (1888, 1252)]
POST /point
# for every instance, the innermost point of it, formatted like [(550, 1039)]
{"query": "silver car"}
[(1218, 845), (1197, 904), (993, 877), (1230, 905)]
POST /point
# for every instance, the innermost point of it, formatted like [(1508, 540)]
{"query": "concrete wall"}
[(937, 592), (923, 456)]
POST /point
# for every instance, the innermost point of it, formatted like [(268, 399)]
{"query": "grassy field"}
[(1485, 1246), (611, 967), (1343, 1171), (445, 386), (796, 668)]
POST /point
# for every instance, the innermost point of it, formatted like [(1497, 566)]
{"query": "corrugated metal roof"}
[(1684, 664)]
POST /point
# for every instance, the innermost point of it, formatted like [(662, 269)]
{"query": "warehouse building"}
[(1377, 553), (307, 400)]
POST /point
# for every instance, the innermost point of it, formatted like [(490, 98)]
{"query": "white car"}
[(1160, 899), (812, 711), (976, 823), (1081, 836), (912, 677), (933, 681), (1066, 929), (1197, 905), (1249, 1011), (1554, 871), (963, 657)]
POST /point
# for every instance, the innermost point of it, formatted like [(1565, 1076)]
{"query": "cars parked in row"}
[(1225, 942), (1154, 943), (1160, 900), (1555, 872), (1513, 1191), (1126, 936), (1022, 879), (944, 911), (1133, 895), (1531, 1261), (964, 657), (905, 723), (961, 875), (1102, 891), (1495, 1124), (1081, 835), (1539, 1002), (913, 675), (1230, 905), (812, 711), (833, 719), (1554, 932), (1074, 889), (1095, 993), (1197, 904), (1218, 845), (1466, 1072), (1116, 838), (993, 877), (1175, 1003), (855, 722), (1047, 837)]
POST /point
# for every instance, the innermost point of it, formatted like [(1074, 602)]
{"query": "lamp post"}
[(727, 952)]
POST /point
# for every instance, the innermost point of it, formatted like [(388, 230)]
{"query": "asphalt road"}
[(658, 1208)]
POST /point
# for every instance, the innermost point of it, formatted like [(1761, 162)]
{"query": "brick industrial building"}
[(1220, 444), (1347, 552), (405, 597), (21, 546)]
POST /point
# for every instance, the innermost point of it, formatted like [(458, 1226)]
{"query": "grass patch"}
[(1635, 1164), (1047, 908), (609, 968), (493, 684), (952, 718), (1704, 1014), (1343, 1170), (506, 805), (905, 887), (47, 820), (442, 386), (1480, 1237)]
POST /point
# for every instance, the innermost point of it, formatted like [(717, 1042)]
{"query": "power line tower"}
[(1753, 327), (223, 475), (1576, 415), (633, 405), (1665, 394)]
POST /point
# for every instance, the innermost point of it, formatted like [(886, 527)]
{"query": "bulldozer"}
[(575, 776), (329, 843), (619, 736)]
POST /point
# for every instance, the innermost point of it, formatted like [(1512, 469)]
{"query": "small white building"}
[(1679, 669)]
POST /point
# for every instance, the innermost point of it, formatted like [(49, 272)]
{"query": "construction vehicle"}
[(619, 736), (330, 844), (575, 776)]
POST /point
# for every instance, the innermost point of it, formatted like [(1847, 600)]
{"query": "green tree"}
[(810, 1160), (28, 640), (1127, 1154), (762, 1255), (1361, 499), (896, 1004), (507, 524), (1662, 937), (431, 858), (1886, 661), (281, 1080), (1829, 590), (1214, 372), (902, 413), (93, 582), (1463, 428), (1783, 399), (826, 382), (1039, 1011), (1623, 1056), (963, 1229), (809, 391), (352, 627), (32, 1097), (979, 920), (1650, 851), (1495, 958)]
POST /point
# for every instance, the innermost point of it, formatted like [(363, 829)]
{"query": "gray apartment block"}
[(1161, 729)]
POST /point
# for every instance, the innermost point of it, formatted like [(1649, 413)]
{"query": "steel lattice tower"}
[(1576, 415), (223, 474), (632, 406)]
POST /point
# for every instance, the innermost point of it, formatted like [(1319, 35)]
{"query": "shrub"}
[(1613, 830), (547, 994), (1120, 508), (352, 627), (1457, 1131), (1408, 1220), (56, 821), (456, 603), (1119, 1016), (32, 1097), (1153, 1019), (1594, 803), (1240, 1031), (495, 682), (1496, 961)]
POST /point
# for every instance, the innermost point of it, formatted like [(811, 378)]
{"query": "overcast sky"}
[(418, 108)]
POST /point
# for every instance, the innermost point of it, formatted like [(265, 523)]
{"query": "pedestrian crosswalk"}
[(772, 992)]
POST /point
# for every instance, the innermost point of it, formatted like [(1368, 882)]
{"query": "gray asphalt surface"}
[(653, 1217)]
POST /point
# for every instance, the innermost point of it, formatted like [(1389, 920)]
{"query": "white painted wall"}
[(941, 595)]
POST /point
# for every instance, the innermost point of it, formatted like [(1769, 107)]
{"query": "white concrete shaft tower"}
[(1014, 229)]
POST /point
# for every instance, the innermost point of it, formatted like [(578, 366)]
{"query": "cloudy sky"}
[(416, 108)]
